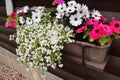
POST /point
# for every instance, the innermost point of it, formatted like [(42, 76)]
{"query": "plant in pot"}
[(40, 37), (93, 33)]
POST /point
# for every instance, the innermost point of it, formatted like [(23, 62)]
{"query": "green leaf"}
[(85, 34), (104, 40), (117, 36), (8, 19), (91, 39)]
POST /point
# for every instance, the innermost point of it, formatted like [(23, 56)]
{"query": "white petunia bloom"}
[(22, 20), (36, 17), (61, 8), (75, 20), (29, 21), (71, 3), (95, 14)]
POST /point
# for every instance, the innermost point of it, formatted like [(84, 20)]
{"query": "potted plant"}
[(93, 33), (40, 37)]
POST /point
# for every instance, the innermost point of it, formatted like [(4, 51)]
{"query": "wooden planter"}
[(91, 52)]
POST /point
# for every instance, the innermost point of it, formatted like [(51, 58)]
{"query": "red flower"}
[(13, 15), (11, 24), (103, 18), (92, 22), (59, 1), (97, 32), (107, 30), (81, 29), (115, 26)]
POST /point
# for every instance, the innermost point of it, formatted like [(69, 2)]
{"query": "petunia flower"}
[(107, 30), (13, 15), (92, 22), (11, 24), (115, 26), (81, 29), (103, 18), (59, 1), (96, 32)]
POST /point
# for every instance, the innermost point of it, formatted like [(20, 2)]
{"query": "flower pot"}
[(94, 53)]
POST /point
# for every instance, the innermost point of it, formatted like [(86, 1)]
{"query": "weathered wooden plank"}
[(5, 39), (64, 74), (10, 59), (90, 64), (113, 66), (87, 73), (7, 31)]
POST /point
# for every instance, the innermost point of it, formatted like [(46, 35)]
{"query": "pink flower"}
[(13, 15), (96, 32), (115, 26), (103, 18), (92, 22), (107, 30), (59, 1), (11, 24), (81, 29), (6, 24), (21, 13)]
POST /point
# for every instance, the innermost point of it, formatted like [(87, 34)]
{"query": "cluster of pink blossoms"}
[(12, 21), (99, 28), (59, 1)]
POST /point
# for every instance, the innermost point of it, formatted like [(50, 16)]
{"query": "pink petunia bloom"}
[(96, 32), (81, 29), (59, 1), (92, 22), (103, 18), (6, 24), (21, 13), (12, 24), (13, 15), (107, 30), (115, 26)]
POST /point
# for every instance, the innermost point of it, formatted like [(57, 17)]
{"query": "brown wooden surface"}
[(113, 66), (104, 5), (72, 70)]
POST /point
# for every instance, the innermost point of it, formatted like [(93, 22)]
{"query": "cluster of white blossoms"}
[(40, 44), (76, 13), (30, 15)]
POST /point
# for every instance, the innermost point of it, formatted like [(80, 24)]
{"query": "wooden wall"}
[(109, 8)]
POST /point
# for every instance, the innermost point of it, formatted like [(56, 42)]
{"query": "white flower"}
[(75, 20), (25, 9), (77, 6), (36, 17), (61, 8), (70, 9), (83, 11), (29, 21), (84, 7), (61, 65), (71, 3), (22, 20), (95, 14), (59, 15), (40, 9)]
